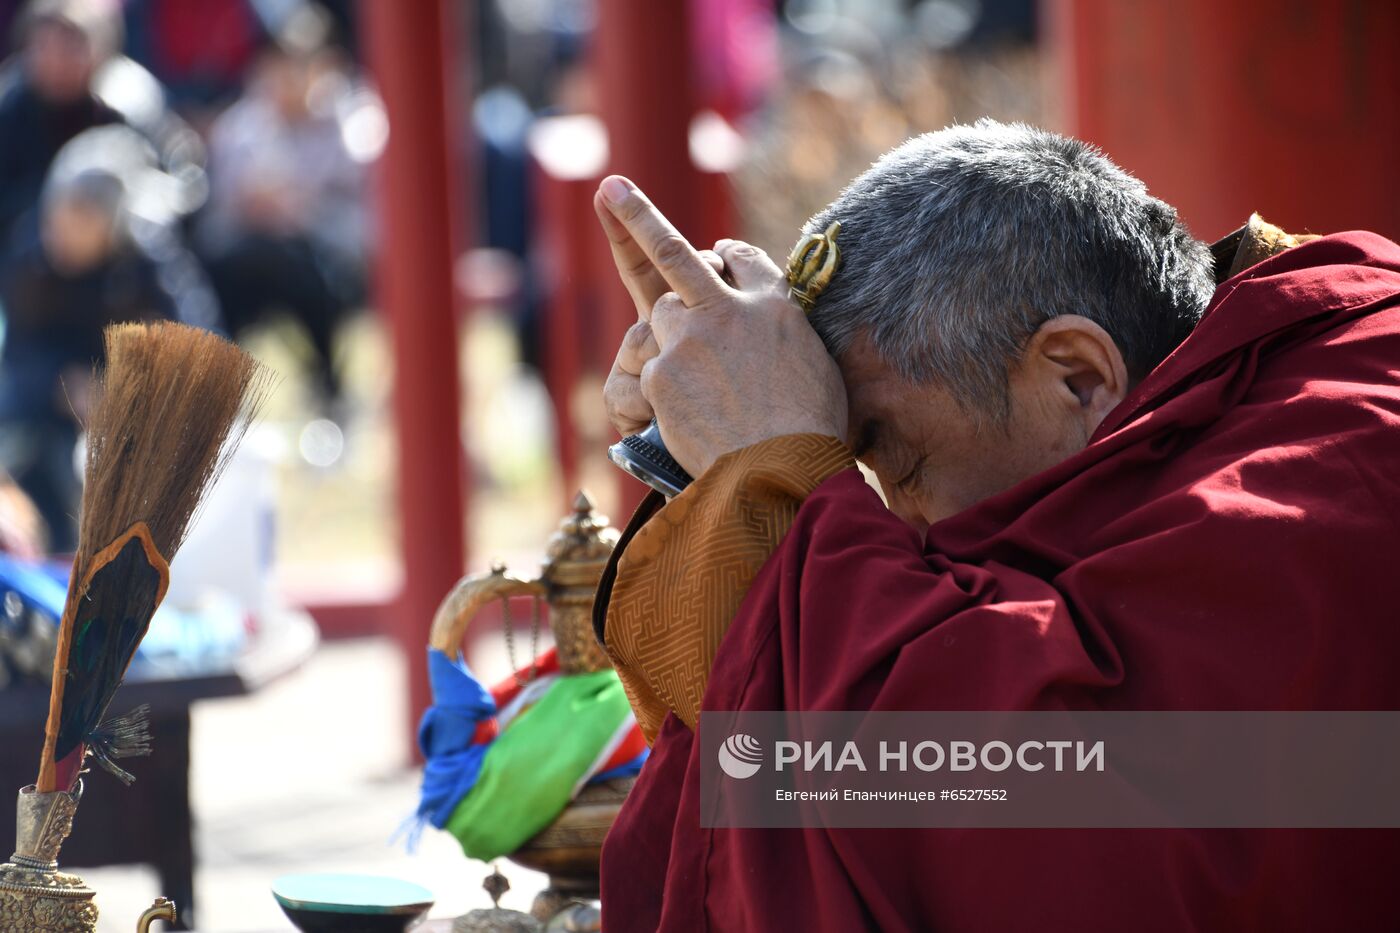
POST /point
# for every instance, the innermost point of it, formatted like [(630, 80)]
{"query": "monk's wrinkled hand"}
[(723, 364), (627, 409)]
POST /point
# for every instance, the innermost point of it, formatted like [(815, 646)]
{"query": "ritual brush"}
[(168, 411)]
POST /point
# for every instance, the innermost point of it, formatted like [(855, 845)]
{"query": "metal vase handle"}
[(162, 909)]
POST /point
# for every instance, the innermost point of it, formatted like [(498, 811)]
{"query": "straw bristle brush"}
[(169, 409)]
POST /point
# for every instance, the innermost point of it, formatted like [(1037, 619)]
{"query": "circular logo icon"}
[(740, 756)]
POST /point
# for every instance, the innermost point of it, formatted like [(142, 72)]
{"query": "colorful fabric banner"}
[(502, 764)]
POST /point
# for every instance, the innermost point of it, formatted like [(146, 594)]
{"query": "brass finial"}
[(496, 885), (496, 919), (812, 264), (583, 535)]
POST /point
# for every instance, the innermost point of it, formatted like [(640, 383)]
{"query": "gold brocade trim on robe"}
[(684, 573), (679, 580)]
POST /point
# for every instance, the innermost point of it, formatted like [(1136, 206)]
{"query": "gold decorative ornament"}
[(574, 561), (812, 264), (569, 848), (35, 897)]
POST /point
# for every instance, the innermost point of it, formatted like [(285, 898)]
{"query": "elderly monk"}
[(1121, 470)]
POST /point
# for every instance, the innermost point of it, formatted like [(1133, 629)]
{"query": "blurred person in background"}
[(48, 98), (287, 225), (100, 251), (67, 78), (22, 532), (199, 51)]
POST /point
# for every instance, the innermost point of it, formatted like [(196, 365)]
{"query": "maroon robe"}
[(1228, 540)]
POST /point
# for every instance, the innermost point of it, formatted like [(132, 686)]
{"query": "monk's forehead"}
[(874, 394), (868, 376)]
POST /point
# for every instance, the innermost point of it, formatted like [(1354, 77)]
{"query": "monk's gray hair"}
[(959, 244)]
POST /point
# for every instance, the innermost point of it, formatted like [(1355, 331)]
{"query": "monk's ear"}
[(1082, 364)]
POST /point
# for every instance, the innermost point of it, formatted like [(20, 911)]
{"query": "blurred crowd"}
[(792, 96), (159, 159), (208, 161), (861, 76)]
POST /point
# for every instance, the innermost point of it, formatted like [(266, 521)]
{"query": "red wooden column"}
[(1288, 109), (568, 155), (642, 58), (407, 50)]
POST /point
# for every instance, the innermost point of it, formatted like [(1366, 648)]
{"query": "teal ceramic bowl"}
[(351, 903)]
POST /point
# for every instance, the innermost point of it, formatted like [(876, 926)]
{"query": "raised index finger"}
[(679, 264)]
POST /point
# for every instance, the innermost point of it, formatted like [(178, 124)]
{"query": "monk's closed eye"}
[(910, 480)]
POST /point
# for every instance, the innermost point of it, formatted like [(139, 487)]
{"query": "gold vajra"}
[(812, 264)]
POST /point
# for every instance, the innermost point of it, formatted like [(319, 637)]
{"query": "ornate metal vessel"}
[(568, 849), (35, 897), (34, 894), (574, 561)]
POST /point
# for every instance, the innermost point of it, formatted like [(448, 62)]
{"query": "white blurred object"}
[(715, 145), (230, 548), (321, 442), (570, 147), (944, 24), (122, 154), (364, 126), (131, 90), (487, 276)]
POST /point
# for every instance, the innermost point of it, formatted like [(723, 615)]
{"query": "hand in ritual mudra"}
[(721, 356)]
